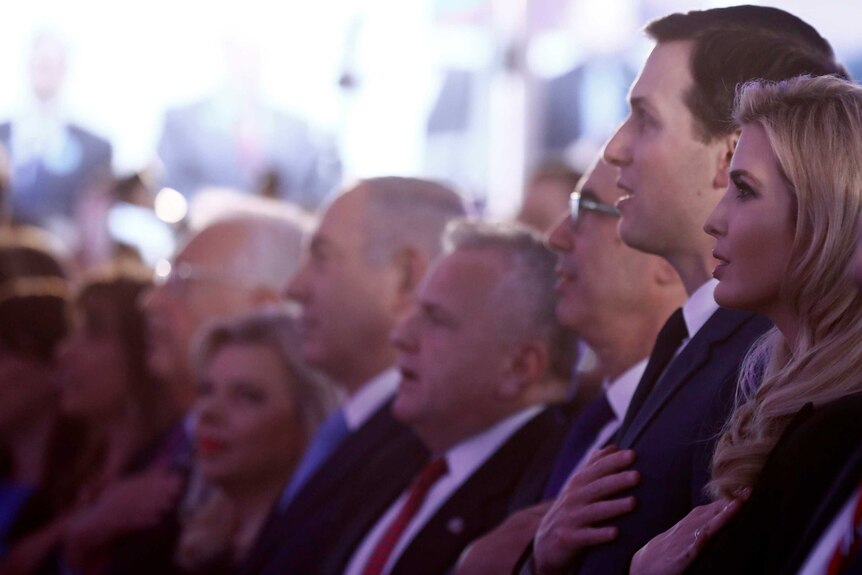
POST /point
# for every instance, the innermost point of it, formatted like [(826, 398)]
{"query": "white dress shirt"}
[(359, 407), (619, 393), (462, 461), (698, 308)]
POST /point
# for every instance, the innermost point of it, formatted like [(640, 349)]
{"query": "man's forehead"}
[(666, 75), (601, 182)]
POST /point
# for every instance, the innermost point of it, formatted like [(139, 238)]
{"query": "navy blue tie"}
[(586, 427), (667, 343), (328, 437)]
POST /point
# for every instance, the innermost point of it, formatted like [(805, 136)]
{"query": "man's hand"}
[(568, 527)]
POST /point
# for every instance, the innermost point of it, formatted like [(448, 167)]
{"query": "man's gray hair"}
[(408, 212), (526, 296)]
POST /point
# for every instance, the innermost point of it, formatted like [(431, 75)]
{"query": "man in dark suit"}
[(474, 356), (673, 154), (358, 276), (53, 161), (616, 299), (234, 138)]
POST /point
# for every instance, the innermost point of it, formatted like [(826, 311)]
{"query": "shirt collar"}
[(620, 391), (464, 458), (699, 307), (370, 397)]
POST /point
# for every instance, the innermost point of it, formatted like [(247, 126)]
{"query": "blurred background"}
[(290, 99)]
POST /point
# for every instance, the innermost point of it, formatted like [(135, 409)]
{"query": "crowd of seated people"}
[(403, 396)]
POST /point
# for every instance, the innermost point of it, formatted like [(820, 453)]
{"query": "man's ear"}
[(726, 146), (527, 367)]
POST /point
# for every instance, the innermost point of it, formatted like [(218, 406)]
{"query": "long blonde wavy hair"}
[(814, 126)]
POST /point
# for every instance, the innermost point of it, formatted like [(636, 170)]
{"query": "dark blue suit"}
[(40, 191), (369, 469), (673, 434)]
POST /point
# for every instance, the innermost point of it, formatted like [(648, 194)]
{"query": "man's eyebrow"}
[(641, 103), (318, 244)]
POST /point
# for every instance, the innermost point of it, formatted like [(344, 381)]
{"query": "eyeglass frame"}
[(578, 203)]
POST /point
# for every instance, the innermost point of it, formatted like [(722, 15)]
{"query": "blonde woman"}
[(258, 405), (785, 236)]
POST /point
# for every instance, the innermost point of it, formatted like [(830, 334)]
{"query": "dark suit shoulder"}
[(364, 474), (480, 504)]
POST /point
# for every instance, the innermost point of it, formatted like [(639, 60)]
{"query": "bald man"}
[(227, 269)]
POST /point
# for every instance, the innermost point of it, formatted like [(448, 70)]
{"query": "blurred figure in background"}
[(546, 196), (53, 160), (258, 405), (107, 386), (38, 450), (233, 138), (229, 268)]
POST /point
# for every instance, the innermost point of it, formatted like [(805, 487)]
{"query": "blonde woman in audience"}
[(785, 235), (258, 405)]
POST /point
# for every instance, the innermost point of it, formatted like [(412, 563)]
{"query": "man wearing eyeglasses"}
[(616, 299), (229, 268), (673, 153)]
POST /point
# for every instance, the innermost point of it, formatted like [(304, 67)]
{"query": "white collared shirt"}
[(619, 393), (462, 461), (359, 407), (698, 308)]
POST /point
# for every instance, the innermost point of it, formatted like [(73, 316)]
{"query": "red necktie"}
[(848, 546), (429, 475)]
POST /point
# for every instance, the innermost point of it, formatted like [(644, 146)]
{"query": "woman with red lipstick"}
[(785, 237), (258, 405)]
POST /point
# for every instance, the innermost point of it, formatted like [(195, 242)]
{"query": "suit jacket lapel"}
[(718, 328), (320, 486), (480, 503)]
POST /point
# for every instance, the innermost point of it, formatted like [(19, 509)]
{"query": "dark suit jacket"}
[(369, 469), (810, 474), (673, 434), (39, 191), (475, 508)]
